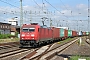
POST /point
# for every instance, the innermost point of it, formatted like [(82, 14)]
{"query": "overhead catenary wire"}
[(66, 8), (18, 7), (55, 8), (9, 3), (36, 3), (14, 1), (64, 5), (41, 8), (38, 6), (12, 12)]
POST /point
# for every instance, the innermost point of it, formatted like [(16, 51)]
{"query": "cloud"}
[(81, 6), (35, 14)]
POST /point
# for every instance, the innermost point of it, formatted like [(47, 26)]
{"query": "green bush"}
[(16, 34), (4, 36)]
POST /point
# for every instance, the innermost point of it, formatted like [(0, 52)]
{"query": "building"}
[(14, 25), (13, 21), (15, 29), (5, 28)]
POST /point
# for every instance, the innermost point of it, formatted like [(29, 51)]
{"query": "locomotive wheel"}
[(21, 46), (39, 44), (35, 45)]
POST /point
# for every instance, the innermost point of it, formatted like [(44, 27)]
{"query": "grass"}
[(74, 57), (66, 40), (9, 40), (78, 57)]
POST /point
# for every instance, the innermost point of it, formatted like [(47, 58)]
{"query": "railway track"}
[(35, 53), (46, 52), (10, 51), (10, 43), (87, 41), (13, 52), (51, 53), (8, 46)]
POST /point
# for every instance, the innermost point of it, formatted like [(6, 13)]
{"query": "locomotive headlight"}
[(23, 34), (32, 35)]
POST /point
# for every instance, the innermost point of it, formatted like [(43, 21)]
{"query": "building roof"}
[(15, 26), (4, 23)]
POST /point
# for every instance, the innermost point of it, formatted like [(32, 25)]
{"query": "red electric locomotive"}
[(33, 34)]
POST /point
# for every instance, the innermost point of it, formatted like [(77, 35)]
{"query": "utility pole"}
[(42, 5), (21, 14), (88, 15), (30, 17)]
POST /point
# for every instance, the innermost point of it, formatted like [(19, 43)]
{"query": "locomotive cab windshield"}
[(28, 29)]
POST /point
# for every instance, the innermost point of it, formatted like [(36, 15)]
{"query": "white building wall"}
[(13, 21)]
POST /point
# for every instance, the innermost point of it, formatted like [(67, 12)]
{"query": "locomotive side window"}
[(31, 29)]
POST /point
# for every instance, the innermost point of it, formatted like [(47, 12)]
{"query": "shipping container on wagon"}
[(59, 31), (65, 33), (62, 32), (45, 34), (41, 33), (87, 33), (74, 33), (69, 33), (50, 33), (84, 33), (56, 32)]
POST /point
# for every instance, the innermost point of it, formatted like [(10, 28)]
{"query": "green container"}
[(61, 32), (69, 33), (87, 33)]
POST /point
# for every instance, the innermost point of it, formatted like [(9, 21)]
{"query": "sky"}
[(62, 13)]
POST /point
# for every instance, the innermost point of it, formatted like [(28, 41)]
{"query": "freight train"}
[(33, 34)]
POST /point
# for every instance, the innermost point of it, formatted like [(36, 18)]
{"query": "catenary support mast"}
[(21, 14)]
